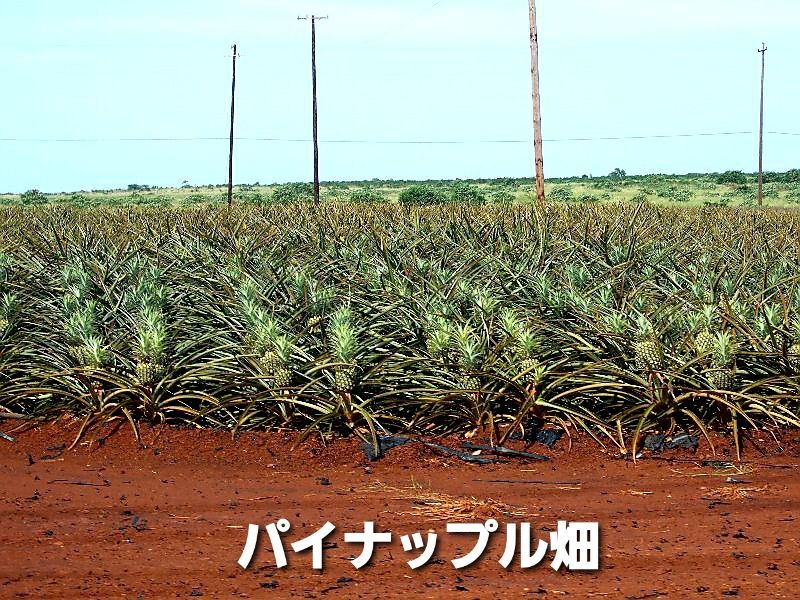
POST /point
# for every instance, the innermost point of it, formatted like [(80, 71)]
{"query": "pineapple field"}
[(614, 319)]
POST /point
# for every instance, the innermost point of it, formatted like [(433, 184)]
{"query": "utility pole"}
[(314, 20), (230, 151), (763, 53), (537, 107)]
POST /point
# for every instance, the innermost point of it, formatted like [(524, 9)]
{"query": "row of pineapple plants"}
[(614, 319)]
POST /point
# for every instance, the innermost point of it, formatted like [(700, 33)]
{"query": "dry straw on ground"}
[(440, 506)]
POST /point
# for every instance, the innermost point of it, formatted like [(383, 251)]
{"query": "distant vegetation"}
[(731, 188)]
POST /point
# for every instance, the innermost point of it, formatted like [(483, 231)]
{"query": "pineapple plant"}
[(794, 349), (277, 361), (342, 336), (704, 340), (529, 367), (646, 349), (769, 325), (438, 342), (8, 306), (150, 346), (470, 357), (722, 375)]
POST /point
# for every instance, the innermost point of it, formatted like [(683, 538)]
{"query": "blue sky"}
[(416, 70)]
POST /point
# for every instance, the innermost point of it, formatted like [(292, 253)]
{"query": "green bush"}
[(502, 197), (196, 199), (422, 194), (562, 194), (80, 200), (736, 177), (32, 197), (366, 196), (293, 192), (466, 193), (249, 197)]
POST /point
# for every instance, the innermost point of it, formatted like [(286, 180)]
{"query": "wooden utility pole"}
[(537, 107), (763, 53), (315, 136), (230, 151)]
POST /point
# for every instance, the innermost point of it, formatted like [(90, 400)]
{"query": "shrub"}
[(466, 193), (195, 199), (508, 182), (562, 194), (736, 177), (293, 192), (80, 200), (675, 193), (366, 195), (421, 194), (249, 197), (33, 197), (502, 197)]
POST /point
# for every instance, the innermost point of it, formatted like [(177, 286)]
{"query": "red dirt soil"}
[(168, 518)]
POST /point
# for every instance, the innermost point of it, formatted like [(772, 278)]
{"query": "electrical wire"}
[(382, 142)]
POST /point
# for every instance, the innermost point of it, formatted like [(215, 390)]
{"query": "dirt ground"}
[(168, 518)]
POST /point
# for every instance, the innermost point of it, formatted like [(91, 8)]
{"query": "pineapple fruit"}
[(470, 357), (722, 375), (704, 340), (344, 378), (794, 349), (276, 361), (342, 336), (151, 341), (529, 367), (722, 379), (149, 372), (646, 349)]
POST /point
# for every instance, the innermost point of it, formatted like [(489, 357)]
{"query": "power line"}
[(392, 142)]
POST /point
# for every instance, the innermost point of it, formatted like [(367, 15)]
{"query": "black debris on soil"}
[(547, 437), (386, 443), (502, 451), (659, 442)]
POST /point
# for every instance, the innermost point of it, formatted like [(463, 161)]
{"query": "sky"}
[(99, 73)]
